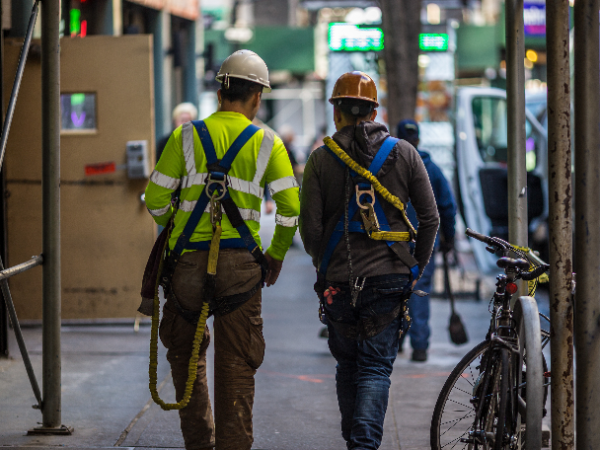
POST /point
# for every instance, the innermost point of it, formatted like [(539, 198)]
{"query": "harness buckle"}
[(217, 178)]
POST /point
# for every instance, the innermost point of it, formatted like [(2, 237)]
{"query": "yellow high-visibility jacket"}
[(263, 160)]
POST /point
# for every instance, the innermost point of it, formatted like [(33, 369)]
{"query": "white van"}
[(481, 152)]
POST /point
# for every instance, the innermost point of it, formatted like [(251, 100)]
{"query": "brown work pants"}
[(239, 351)]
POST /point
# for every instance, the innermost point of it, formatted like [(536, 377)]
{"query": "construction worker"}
[(352, 223), (224, 191), (419, 306)]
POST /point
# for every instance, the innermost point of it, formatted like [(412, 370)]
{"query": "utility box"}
[(138, 164)]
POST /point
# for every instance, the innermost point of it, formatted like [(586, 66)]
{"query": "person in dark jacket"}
[(362, 281), (446, 205)]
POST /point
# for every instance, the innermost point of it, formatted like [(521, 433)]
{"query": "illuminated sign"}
[(345, 37), (78, 111), (433, 42), (77, 27), (534, 17)]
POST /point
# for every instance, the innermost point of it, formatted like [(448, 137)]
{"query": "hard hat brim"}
[(266, 86), (355, 97)]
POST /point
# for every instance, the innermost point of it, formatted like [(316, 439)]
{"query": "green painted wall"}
[(282, 48), (477, 47)]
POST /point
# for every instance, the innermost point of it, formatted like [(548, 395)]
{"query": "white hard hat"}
[(247, 65)]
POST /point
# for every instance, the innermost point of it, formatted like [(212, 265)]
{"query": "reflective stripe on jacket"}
[(262, 160)]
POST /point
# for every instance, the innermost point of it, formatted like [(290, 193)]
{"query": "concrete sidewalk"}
[(105, 380)]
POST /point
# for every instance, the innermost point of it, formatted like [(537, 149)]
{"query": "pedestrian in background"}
[(194, 155), (419, 306), (363, 281), (184, 112)]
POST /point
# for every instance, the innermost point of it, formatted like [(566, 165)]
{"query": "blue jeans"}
[(364, 367), (419, 309)]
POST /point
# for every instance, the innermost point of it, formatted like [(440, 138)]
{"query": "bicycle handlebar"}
[(480, 237), (497, 243)]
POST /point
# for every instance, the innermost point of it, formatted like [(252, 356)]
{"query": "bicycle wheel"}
[(529, 386), (454, 413)]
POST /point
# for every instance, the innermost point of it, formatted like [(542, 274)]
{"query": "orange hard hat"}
[(356, 85)]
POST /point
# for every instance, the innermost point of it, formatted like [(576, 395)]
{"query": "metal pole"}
[(51, 212), (587, 217), (17, 85), (20, 268), (560, 223), (515, 96), (3, 310), (20, 340)]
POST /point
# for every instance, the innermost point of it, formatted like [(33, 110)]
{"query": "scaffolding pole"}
[(587, 217), (560, 224), (515, 96), (51, 360)]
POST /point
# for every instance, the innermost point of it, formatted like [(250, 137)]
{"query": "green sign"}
[(345, 37), (433, 42)]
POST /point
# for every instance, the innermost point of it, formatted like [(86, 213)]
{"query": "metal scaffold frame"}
[(50, 402), (585, 311)]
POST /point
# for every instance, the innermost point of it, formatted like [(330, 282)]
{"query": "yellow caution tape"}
[(387, 195), (193, 366)]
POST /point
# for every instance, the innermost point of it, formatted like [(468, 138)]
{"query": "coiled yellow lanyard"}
[(198, 336)]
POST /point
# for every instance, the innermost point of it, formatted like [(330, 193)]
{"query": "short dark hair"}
[(239, 90)]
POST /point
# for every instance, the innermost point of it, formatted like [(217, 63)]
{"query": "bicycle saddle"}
[(506, 263)]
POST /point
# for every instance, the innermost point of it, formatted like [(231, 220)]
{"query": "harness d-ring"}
[(361, 192), (221, 182)]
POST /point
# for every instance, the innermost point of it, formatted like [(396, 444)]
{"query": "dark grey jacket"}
[(323, 198)]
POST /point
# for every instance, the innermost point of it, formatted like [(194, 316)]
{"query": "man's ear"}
[(256, 99), (373, 115), (337, 115), (219, 95)]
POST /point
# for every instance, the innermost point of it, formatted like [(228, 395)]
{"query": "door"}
[(106, 232), (481, 153)]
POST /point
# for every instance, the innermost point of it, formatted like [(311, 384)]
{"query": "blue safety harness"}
[(356, 226), (216, 189), (217, 180)]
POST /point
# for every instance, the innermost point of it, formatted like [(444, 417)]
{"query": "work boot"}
[(419, 355)]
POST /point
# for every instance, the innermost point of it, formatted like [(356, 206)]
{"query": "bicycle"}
[(494, 398)]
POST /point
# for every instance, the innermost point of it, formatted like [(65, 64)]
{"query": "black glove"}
[(446, 245)]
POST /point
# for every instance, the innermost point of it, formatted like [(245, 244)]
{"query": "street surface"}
[(105, 379)]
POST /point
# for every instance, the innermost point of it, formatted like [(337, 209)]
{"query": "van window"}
[(491, 132)]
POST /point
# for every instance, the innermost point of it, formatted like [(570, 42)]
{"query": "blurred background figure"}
[(287, 135), (419, 306), (184, 112)]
